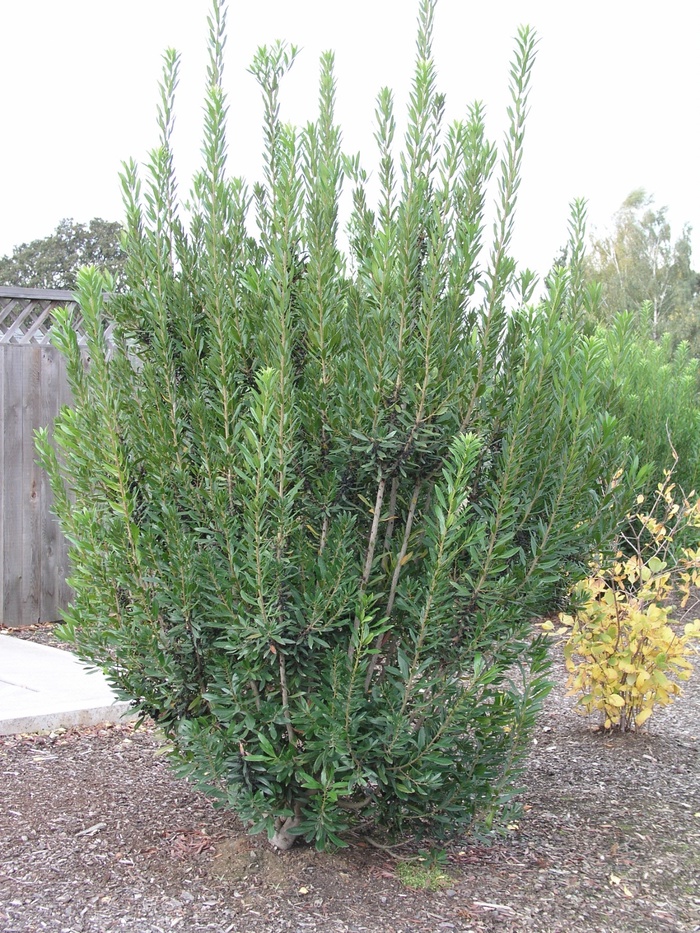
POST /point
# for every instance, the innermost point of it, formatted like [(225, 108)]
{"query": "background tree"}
[(655, 381), (639, 262), (683, 322), (54, 261)]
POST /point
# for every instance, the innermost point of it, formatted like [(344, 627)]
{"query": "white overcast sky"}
[(615, 102)]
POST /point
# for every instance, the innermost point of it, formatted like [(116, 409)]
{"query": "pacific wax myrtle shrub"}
[(315, 501)]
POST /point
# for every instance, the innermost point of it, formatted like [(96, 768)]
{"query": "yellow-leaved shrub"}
[(624, 650)]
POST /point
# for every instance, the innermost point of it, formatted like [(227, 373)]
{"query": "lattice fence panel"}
[(26, 315)]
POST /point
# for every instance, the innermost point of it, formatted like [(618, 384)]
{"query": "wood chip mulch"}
[(97, 835)]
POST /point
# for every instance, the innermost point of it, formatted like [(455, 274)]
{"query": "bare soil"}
[(97, 835)]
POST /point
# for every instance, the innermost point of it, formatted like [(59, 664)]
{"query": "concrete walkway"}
[(45, 688)]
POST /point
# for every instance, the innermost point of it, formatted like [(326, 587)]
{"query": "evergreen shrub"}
[(315, 500), (656, 400)]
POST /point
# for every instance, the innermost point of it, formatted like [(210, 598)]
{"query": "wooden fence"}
[(33, 387)]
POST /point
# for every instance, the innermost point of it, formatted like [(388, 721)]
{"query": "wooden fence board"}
[(49, 530), (31, 478), (55, 592), (12, 478), (3, 483)]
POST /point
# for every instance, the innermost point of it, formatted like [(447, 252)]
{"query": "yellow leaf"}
[(642, 716), (616, 700), (667, 634), (614, 879)]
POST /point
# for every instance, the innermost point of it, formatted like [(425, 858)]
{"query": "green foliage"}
[(568, 275), (656, 399), (623, 652), (54, 261), (315, 504), (425, 872)]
